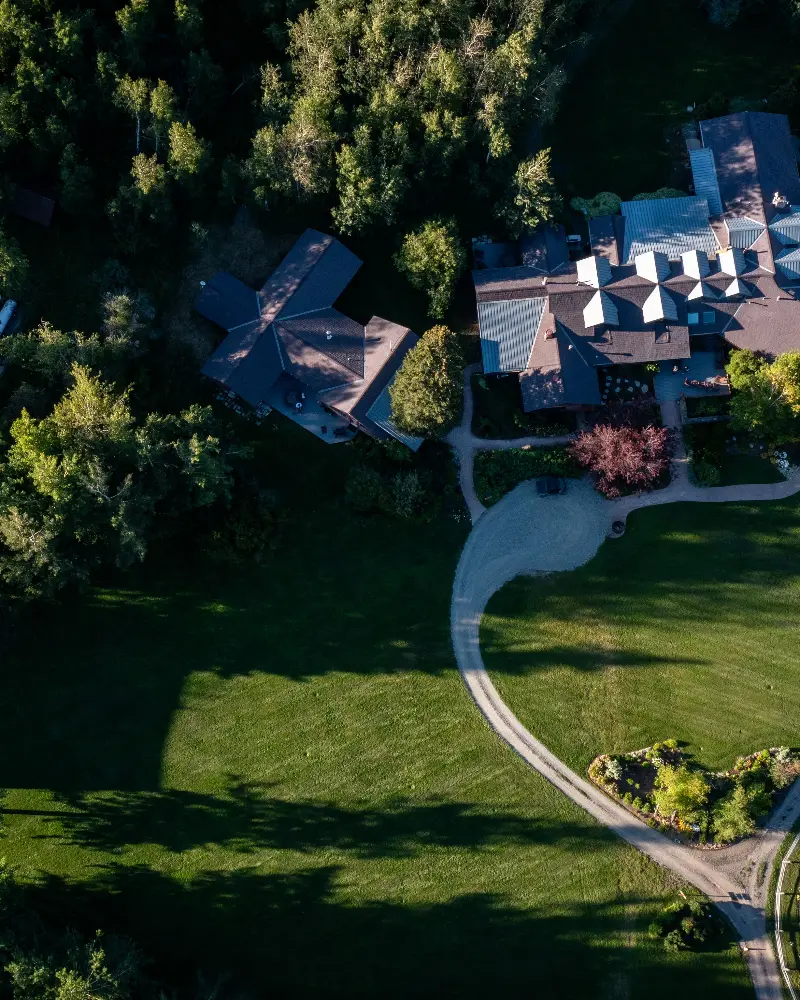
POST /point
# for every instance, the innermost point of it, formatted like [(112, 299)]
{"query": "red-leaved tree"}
[(623, 457)]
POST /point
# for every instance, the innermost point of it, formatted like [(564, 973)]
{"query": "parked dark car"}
[(550, 485)]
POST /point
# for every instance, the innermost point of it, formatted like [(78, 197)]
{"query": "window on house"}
[(709, 318), (693, 319)]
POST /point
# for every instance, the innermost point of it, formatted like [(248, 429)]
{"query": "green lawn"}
[(686, 627), (637, 82), (276, 774)]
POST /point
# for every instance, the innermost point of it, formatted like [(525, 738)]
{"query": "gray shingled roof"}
[(227, 302)]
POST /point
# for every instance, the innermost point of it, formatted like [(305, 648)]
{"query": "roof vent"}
[(780, 201), (328, 335), (549, 334)]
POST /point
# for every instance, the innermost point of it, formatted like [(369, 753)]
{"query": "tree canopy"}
[(432, 258), (426, 393), (766, 398)]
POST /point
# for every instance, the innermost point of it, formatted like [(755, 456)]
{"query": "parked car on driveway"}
[(550, 485)]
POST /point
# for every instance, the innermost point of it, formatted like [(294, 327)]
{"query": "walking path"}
[(524, 534)]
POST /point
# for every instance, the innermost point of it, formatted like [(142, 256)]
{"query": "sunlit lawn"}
[(686, 627), (279, 778)]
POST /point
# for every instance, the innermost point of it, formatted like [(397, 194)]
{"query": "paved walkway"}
[(525, 534), (465, 444)]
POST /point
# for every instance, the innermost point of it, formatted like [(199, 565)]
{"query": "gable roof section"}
[(329, 333), (659, 305), (227, 302), (789, 264), (732, 262), (695, 264), (653, 265), (594, 271), (755, 158), (311, 276), (508, 329), (786, 226), (743, 231), (315, 369), (704, 175), (702, 290), (600, 311)]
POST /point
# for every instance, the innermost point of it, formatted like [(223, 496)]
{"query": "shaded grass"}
[(686, 627), (274, 774), (638, 81)]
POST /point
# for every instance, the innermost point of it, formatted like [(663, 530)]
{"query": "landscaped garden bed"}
[(626, 383), (664, 786), (718, 459), (498, 472), (708, 406), (498, 411)]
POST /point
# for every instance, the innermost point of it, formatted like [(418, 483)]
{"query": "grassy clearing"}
[(275, 774), (686, 627)]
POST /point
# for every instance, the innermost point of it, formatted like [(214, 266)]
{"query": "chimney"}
[(780, 202)]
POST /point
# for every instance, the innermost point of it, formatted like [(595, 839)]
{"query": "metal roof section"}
[(702, 290), (508, 329), (594, 271), (786, 227), (659, 305), (789, 264), (704, 174), (600, 311), (653, 265), (732, 262), (695, 264), (743, 231), (738, 289), (667, 225), (380, 413)]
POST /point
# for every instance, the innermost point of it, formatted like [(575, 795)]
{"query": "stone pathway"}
[(525, 534)]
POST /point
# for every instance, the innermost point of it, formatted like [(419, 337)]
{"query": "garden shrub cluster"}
[(388, 478), (687, 925), (705, 448), (667, 788), (498, 472), (708, 406)]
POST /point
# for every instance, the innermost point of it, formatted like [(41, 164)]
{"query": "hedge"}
[(498, 472)]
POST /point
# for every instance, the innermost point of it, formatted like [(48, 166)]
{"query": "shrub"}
[(706, 474), (624, 458), (680, 792), (364, 490), (613, 769), (406, 497), (498, 472)]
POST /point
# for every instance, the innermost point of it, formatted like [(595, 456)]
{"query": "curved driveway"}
[(524, 534)]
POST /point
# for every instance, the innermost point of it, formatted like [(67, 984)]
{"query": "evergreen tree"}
[(426, 392)]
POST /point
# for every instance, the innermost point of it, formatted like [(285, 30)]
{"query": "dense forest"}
[(150, 125)]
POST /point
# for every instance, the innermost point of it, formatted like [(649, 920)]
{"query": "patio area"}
[(287, 393), (669, 385)]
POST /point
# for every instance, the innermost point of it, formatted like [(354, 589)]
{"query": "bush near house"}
[(497, 412), (498, 472), (624, 459), (666, 787)]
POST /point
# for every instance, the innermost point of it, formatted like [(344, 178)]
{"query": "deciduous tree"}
[(432, 258), (532, 197), (426, 393)]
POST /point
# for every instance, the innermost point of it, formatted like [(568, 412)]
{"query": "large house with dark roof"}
[(665, 276), (288, 348)]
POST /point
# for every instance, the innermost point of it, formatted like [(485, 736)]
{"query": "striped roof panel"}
[(743, 232), (787, 227), (704, 174), (667, 225), (508, 329), (789, 263)]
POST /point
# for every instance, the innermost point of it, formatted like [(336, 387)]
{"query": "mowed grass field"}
[(274, 776), (688, 627)]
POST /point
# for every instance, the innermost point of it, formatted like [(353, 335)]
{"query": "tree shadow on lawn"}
[(294, 934), (246, 819), (89, 696)]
